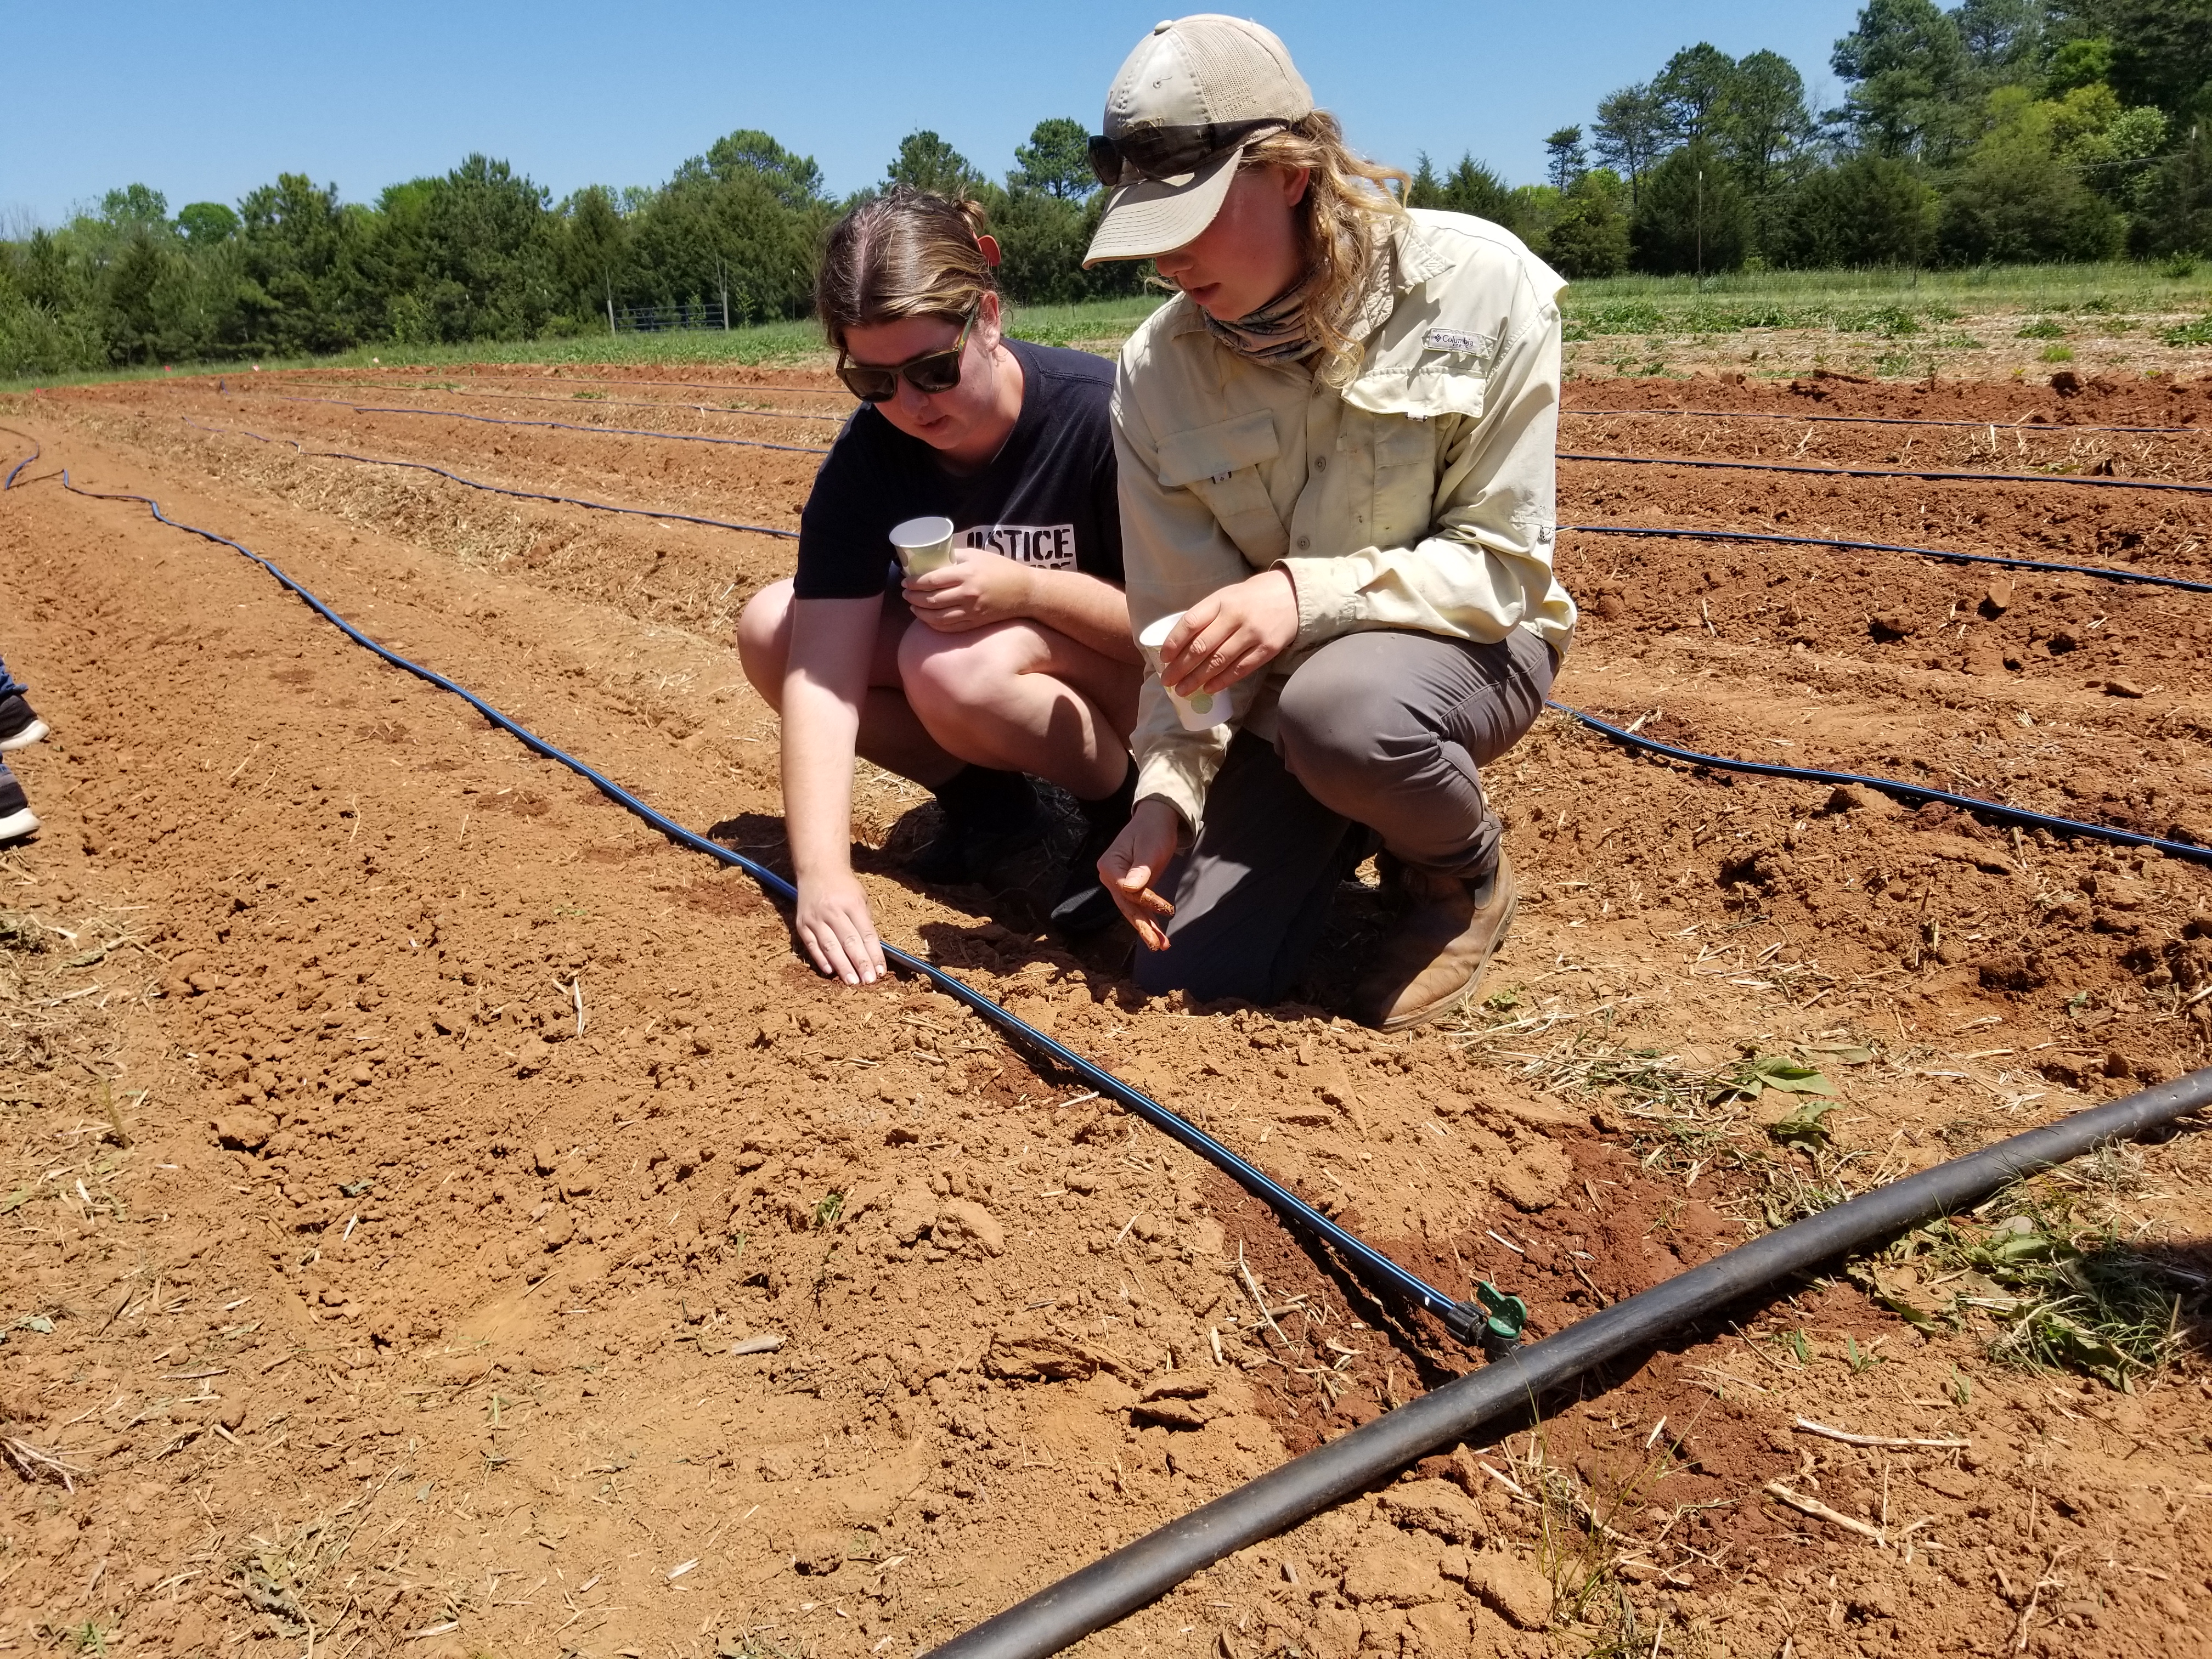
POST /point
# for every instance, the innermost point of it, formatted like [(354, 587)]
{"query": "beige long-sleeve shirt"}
[(1420, 496)]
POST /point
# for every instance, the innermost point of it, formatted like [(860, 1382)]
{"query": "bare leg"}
[(891, 734), (1022, 698)]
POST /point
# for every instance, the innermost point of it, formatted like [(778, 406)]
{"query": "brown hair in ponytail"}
[(907, 254)]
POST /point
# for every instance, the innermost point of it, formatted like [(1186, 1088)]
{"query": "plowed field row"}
[(445, 1148)]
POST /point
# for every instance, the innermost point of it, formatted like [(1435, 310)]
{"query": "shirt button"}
[(1320, 463), (1304, 542)]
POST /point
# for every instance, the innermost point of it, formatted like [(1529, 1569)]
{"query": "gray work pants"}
[(1382, 730)]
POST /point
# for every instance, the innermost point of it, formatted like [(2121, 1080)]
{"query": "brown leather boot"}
[(1433, 961)]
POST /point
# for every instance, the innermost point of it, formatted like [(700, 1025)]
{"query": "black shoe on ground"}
[(1083, 905), (19, 726), (986, 816), (16, 818)]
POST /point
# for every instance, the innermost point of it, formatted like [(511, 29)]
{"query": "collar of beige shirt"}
[(1390, 381)]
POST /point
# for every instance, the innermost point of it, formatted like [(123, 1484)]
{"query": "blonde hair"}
[(908, 253), (1348, 199)]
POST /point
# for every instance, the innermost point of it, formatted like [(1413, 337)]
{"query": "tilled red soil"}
[(423, 1301)]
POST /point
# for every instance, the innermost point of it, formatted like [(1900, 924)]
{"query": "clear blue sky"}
[(206, 101)]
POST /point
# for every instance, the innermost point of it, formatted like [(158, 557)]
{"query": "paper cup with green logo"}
[(923, 545), (1201, 711)]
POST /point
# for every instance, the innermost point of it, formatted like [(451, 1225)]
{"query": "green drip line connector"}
[(1508, 1318)]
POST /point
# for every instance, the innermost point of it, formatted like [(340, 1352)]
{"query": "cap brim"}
[(1150, 217)]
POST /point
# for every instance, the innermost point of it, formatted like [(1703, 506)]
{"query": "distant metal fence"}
[(654, 320)]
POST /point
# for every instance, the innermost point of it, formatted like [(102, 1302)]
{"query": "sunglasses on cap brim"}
[(1158, 153), (931, 372)]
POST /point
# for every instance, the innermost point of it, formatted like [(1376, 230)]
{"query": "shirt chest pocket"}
[(1404, 451), (1224, 466)]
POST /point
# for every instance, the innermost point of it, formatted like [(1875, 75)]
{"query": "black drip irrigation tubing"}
[(1899, 473), (37, 450), (496, 490), (1111, 1589), (1465, 1320), (596, 400), (2018, 424), (1907, 791), (564, 425), (689, 386), (2107, 572)]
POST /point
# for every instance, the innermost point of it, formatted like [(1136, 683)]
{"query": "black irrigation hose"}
[(2107, 572), (496, 490), (2021, 424), (37, 449), (1464, 1319), (1899, 472), (1903, 791), (564, 425), (596, 400), (1112, 1588), (692, 385)]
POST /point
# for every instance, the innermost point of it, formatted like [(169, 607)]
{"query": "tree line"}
[(485, 254), (1995, 131)]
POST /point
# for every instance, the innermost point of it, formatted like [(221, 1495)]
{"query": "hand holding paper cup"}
[(1202, 710), (923, 545)]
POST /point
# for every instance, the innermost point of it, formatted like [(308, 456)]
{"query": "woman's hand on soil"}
[(1135, 860), (978, 588), (1230, 634), (836, 930)]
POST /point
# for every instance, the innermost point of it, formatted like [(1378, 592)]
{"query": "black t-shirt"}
[(1047, 499)]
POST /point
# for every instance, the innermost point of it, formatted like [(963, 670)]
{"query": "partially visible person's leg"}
[(983, 810), (1389, 728), (1252, 894), (19, 726), (1026, 697), (16, 818), (891, 734)]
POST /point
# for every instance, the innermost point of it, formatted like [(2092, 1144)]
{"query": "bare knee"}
[(946, 674), (764, 640)]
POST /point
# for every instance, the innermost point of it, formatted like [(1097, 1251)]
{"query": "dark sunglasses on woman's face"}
[(1170, 152), (930, 372)]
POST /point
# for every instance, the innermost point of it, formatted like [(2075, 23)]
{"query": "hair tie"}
[(989, 245)]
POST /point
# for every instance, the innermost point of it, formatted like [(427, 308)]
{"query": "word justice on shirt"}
[(1051, 545)]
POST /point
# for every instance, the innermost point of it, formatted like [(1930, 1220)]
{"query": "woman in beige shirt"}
[(1336, 464)]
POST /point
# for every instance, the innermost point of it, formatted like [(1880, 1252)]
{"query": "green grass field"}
[(2163, 305), (1888, 303)]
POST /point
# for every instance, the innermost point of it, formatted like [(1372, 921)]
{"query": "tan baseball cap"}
[(1186, 101)]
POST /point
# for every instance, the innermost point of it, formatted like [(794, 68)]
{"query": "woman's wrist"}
[(1158, 810), (812, 863)]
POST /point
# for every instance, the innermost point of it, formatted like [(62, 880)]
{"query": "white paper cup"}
[(923, 545), (1200, 712)]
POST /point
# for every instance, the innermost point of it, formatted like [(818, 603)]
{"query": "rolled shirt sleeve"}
[(1175, 554)]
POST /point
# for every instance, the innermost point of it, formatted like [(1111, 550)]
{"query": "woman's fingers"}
[(1127, 868), (1231, 634), (1198, 656), (1140, 907), (827, 953), (814, 951), (1219, 659), (840, 938), (832, 954), (1196, 621)]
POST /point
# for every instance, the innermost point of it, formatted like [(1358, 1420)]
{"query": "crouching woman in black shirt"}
[(1017, 657)]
